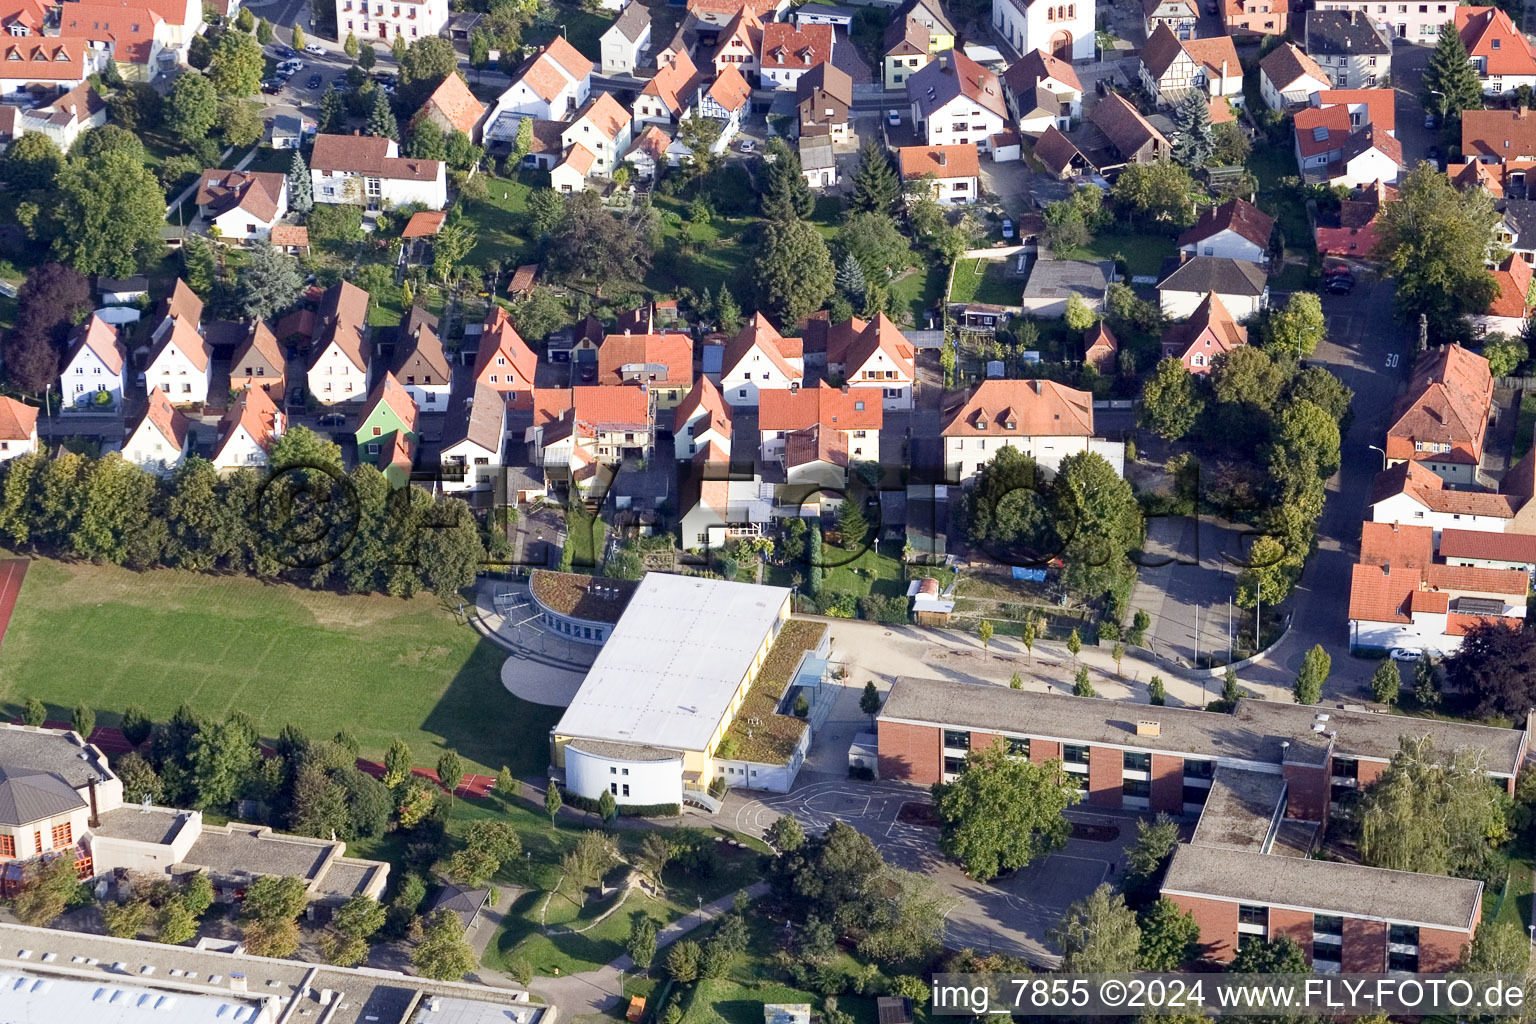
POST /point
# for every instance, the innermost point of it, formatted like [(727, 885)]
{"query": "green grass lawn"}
[(1524, 427), (921, 290), (699, 255), (1516, 907), (583, 29), (1143, 254), (586, 543), (1269, 164), (985, 281), (380, 667), (500, 219), (870, 572)]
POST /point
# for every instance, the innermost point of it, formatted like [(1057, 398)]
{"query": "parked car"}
[(1404, 654), (315, 48), (1007, 229), (314, 81), (273, 84), (746, 145), (288, 68), (893, 117), (282, 52), (1429, 121), (1340, 284)]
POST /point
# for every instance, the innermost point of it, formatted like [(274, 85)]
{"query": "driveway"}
[(1188, 596), (1408, 64)]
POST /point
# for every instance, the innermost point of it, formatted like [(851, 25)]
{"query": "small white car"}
[(289, 68), (315, 48), (893, 117), (747, 145), (1405, 654), (1007, 228)]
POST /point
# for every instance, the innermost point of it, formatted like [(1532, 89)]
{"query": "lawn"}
[(1524, 427), (699, 255), (920, 290), (985, 281), (583, 29), (500, 219), (1143, 254), (1269, 164), (869, 572), (379, 667), (1516, 907), (585, 539)]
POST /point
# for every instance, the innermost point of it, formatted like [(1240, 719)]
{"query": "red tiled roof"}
[(651, 141), (129, 30), (455, 103), (580, 159), (262, 345), (1100, 347), (1334, 122), (730, 89), (101, 338), (165, 418), (500, 338), (704, 396), (730, 8), (785, 46), (758, 333), (1505, 134), (1469, 579), (1508, 547), (421, 355), (674, 84), (34, 59), (284, 235), (342, 320), (253, 410), (183, 334), (371, 155), (940, 161), (593, 405), (880, 335), (424, 224), (17, 421), (543, 73), (1238, 216), (1459, 623), (1056, 151), (183, 304), (256, 192), (605, 114), (389, 391), (1286, 63), (786, 409), (1036, 66), (673, 352), (1035, 408), (1428, 489), (1490, 35), (815, 444), (1380, 104), (1514, 279), (1447, 401), (1362, 140), (1211, 321), (1382, 594), (1217, 54), (1396, 544)]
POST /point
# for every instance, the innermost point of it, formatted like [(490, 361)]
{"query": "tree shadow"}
[(477, 717)]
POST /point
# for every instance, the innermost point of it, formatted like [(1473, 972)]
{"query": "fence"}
[(1517, 383)]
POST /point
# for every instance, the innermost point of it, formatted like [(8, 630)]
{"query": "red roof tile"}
[(785, 46), (455, 104), (424, 224), (1514, 280), (940, 161), (1508, 547), (17, 421), (1380, 104), (1321, 129), (1019, 408), (1238, 216), (165, 418), (1447, 402), (623, 356), (704, 396), (1490, 36), (1396, 544), (500, 339), (786, 409)]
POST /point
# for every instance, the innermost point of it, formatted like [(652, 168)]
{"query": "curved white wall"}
[(649, 782)]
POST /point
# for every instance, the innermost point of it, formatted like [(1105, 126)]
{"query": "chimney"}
[(1148, 727), (1223, 77), (1036, 384), (95, 819), (1386, 568), (944, 62), (237, 982), (943, 158)]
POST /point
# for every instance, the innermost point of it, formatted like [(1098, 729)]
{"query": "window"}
[(377, 431), (1327, 929), (612, 770), (625, 787), (954, 765), (1252, 919), (63, 835), (1196, 795), (613, 787), (373, 449), (1072, 753), (7, 846), (1134, 762), (957, 740), (1403, 935), (1408, 963), (1199, 769), (1018, 746), (1137, 788)]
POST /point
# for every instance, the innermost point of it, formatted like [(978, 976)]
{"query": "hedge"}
[(582, 803)]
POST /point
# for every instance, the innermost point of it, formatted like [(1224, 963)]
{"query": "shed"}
[(864, 752), (115, 292), (930, 607), (893, 1009)]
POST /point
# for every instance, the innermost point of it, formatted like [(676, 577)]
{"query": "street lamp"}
[(701, 908), (1383, 455)]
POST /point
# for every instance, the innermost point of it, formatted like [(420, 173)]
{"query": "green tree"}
[(1268, 575), (851, 524), (115, 210), (126, 920), (237, 65), (177, 924), (1314, 673), (450, 769), (381, 120), (1500, 947), (869, 701), (193, 109), (47, 890), (197, 893), (785, 196), (641, 944), (239, 122), (1002, 812), (1193, 140), (299, 39), (270, 283), (552, 800), (442, 954), (1157, 692), (350, 47), (589, 860), (1081, 685), (814, 558), (135, 725), (1079, 315), (785, 834), (1229, 691), (1162, 191), (1247, 376), (874, 241), (32, 162), (34, 712), (426, 62), (1170, 401), (1074, 644), (1450, 83), (264, 32), (1104, 521), (589, 243), (84, 721), (1298, 329), (1435, 241), (1169, 937), (397, 764), (223, 757), (1386, 682), (727, 312), (1145, 861), (683, 961), (984, 632), (523, 143), (1426, 685), (367, 57), (793, 270), (1099, 935), (876, 189), (1504, 354), (850, 278), (607, 807), (910, 929), (245, 21), (1277, 956)]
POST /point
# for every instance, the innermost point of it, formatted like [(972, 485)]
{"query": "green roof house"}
[(386, 431)]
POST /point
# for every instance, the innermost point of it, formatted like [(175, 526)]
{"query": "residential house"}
[(1370, 154), (289, 131), (1171, 68), (92, 377), (1208, 333), (662, 364), (1477, 175), (247, 431), (389, 20), (816, 462), (553, 83), (1351, 49), (669, 93), (1511, 307), (1043, 90), (1321, 133), (386, 422), (570, 175), (1417, 23), (1498, 136), (27, 62), (1059, 156), (1101, 349), (722, 12), (581, 434), (453, 108), (956, 101), (818, 13), (1133, 137), (23, 18), (874, 355), (421, 367), (955, 170), (182, 364), (726, 101), (1500, 53), (1041, 418), (785, 53), (625, 41), (603, 127), (1241, 286), (738, 46), (1430, 608), (1485, 550), (242, 205), (1236, 229), (18, 429), (759, 357), (1374, 107), (1063, 29), (818, 162), (1441, 420), (702, 419), (136, 39), (824, 96), (1288, 77), (339, 351), (716, 505), (473, 440), (63, 120), (1353, 232), (1255, 17), (292, 239), (505, 363), (158, 442), (648, 153), (1179, 16), (258, 362), (51, 785), (906, 50), (369, 170), (852, 412), (1053, 282), (929, 14)]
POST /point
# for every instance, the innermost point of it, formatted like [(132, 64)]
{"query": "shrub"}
[(625, 810), (876, 608), (862, 772)]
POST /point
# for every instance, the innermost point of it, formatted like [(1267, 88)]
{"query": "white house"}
[(158, 442), (759, 357), (956, 101), (1171, 68), (1416, 23), (1043, 90), (66, 118), (1063, 29), (554, 82), (1369, 155), (1179, 15), (421, 366), (26, 61), (570, 174), (648, 153), (702, 419), (242, 205), (624, 42), (955, 170), (725, 100), (473, 439), (338, 353), (1288, 77), (18, 429), (1242, 287), (369, 170), (93, 368), (385, 21), (1236, 230), (1043, 419), (1430, 608), (852, 413), (247, 431), (669, 92), (603, 126), (873, 356), (181, 366), (1501, 55), (787, 52)]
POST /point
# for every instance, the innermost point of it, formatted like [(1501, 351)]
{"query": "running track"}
[(12, 572)]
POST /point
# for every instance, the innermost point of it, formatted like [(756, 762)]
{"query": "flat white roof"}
[(34, 999), (671, 665)]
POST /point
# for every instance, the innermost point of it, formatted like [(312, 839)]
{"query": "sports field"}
[(378, 667)]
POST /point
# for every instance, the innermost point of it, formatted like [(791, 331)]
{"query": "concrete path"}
[(544, 667)]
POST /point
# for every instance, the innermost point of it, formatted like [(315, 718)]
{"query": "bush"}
[(862, 772), (875, 608), (625, 810)]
